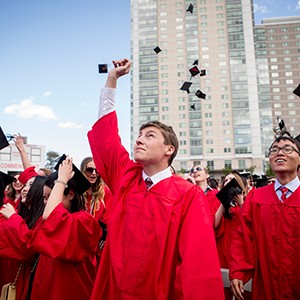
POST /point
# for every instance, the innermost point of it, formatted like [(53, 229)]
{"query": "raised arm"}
[(65, 173), (19, 142), (122, 67)]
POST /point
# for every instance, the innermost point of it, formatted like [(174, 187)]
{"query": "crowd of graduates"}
[(118, 228)]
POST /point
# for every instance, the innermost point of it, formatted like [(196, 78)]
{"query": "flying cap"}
[(202, 72), (3, 140), (27, 174), (226, 194), (78, 182), (199, 94), (194, 70), (102, 68), (297, 90), (193, 107), (186, 86), (195, 62), (190, 8), (157, 50)]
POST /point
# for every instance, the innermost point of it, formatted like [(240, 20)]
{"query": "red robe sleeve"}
[(14, 235), (66, 236), (242, 261), (108, 153), (199, 269)]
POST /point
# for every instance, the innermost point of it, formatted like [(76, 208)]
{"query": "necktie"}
[(284, 191), (148, 182)]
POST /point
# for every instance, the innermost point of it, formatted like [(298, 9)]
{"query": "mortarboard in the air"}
[(195, 62), (78, 182), (226, 194), (6, 179), (194, 71), (190, 8), (157, 50), (102, 68), (193, 107), (186, 86), (3, 140), (202, 72), (199, 94), (297, 91)]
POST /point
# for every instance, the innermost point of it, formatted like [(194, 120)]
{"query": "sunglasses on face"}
[(196, 169), (91, 170)]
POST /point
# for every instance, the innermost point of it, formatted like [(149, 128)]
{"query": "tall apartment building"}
[(278, 57), (225, 129)]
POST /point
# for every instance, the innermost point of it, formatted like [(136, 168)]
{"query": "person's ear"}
[(71, 195), (170, 150)]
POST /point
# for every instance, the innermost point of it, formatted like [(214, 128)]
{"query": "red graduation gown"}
[(266, 246), (160, 242), (14, 235), (67, 245)]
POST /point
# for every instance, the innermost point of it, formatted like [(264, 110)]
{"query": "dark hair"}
[(286, 138), (33, 207), (168, 134), (77, 203)]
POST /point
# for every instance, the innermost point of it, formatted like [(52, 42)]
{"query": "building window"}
[(227, 164)]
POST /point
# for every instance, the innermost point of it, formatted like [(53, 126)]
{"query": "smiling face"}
[(200, 174), (284, 165), (90, 172), (26, 189), (150, 150), (17, 185)]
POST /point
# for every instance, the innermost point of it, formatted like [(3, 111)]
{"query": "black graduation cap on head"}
[(199, 94), (6, 179), (260, 182), (193, 107), (78, 182), (102, 68), (190, 8), (194, 71), (186, 86), (3, 140), (297, 138), (157, 50), (227, 193), (297, 90)]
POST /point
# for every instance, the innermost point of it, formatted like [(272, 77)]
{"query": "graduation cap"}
[(193, 107), (186, 86), (78, 182), (202, 72), (227, 193), (297, 138), (3, 140), (190, 8), (260, 182), (199, 94), (297, 90), (194, 71), (157, 50), (6, 179), (27, 174), (102, 68), (195, 62)]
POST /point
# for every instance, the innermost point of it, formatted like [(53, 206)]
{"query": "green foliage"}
[(227, 170), (51, 159)]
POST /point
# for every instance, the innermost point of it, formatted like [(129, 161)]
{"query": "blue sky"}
[(49, 54)]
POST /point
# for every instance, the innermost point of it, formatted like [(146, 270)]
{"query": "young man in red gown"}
[(267, 244), (160, 241)]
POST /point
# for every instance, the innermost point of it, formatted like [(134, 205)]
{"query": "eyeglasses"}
[(91, 170), (286, 149), (196, 169)]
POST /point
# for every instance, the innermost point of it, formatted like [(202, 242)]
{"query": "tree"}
[(269, 171), (51, 160)]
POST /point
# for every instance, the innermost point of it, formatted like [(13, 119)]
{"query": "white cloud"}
[(298, 5), (47, 94), (260, 8), (70, 125), (26, 109)]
